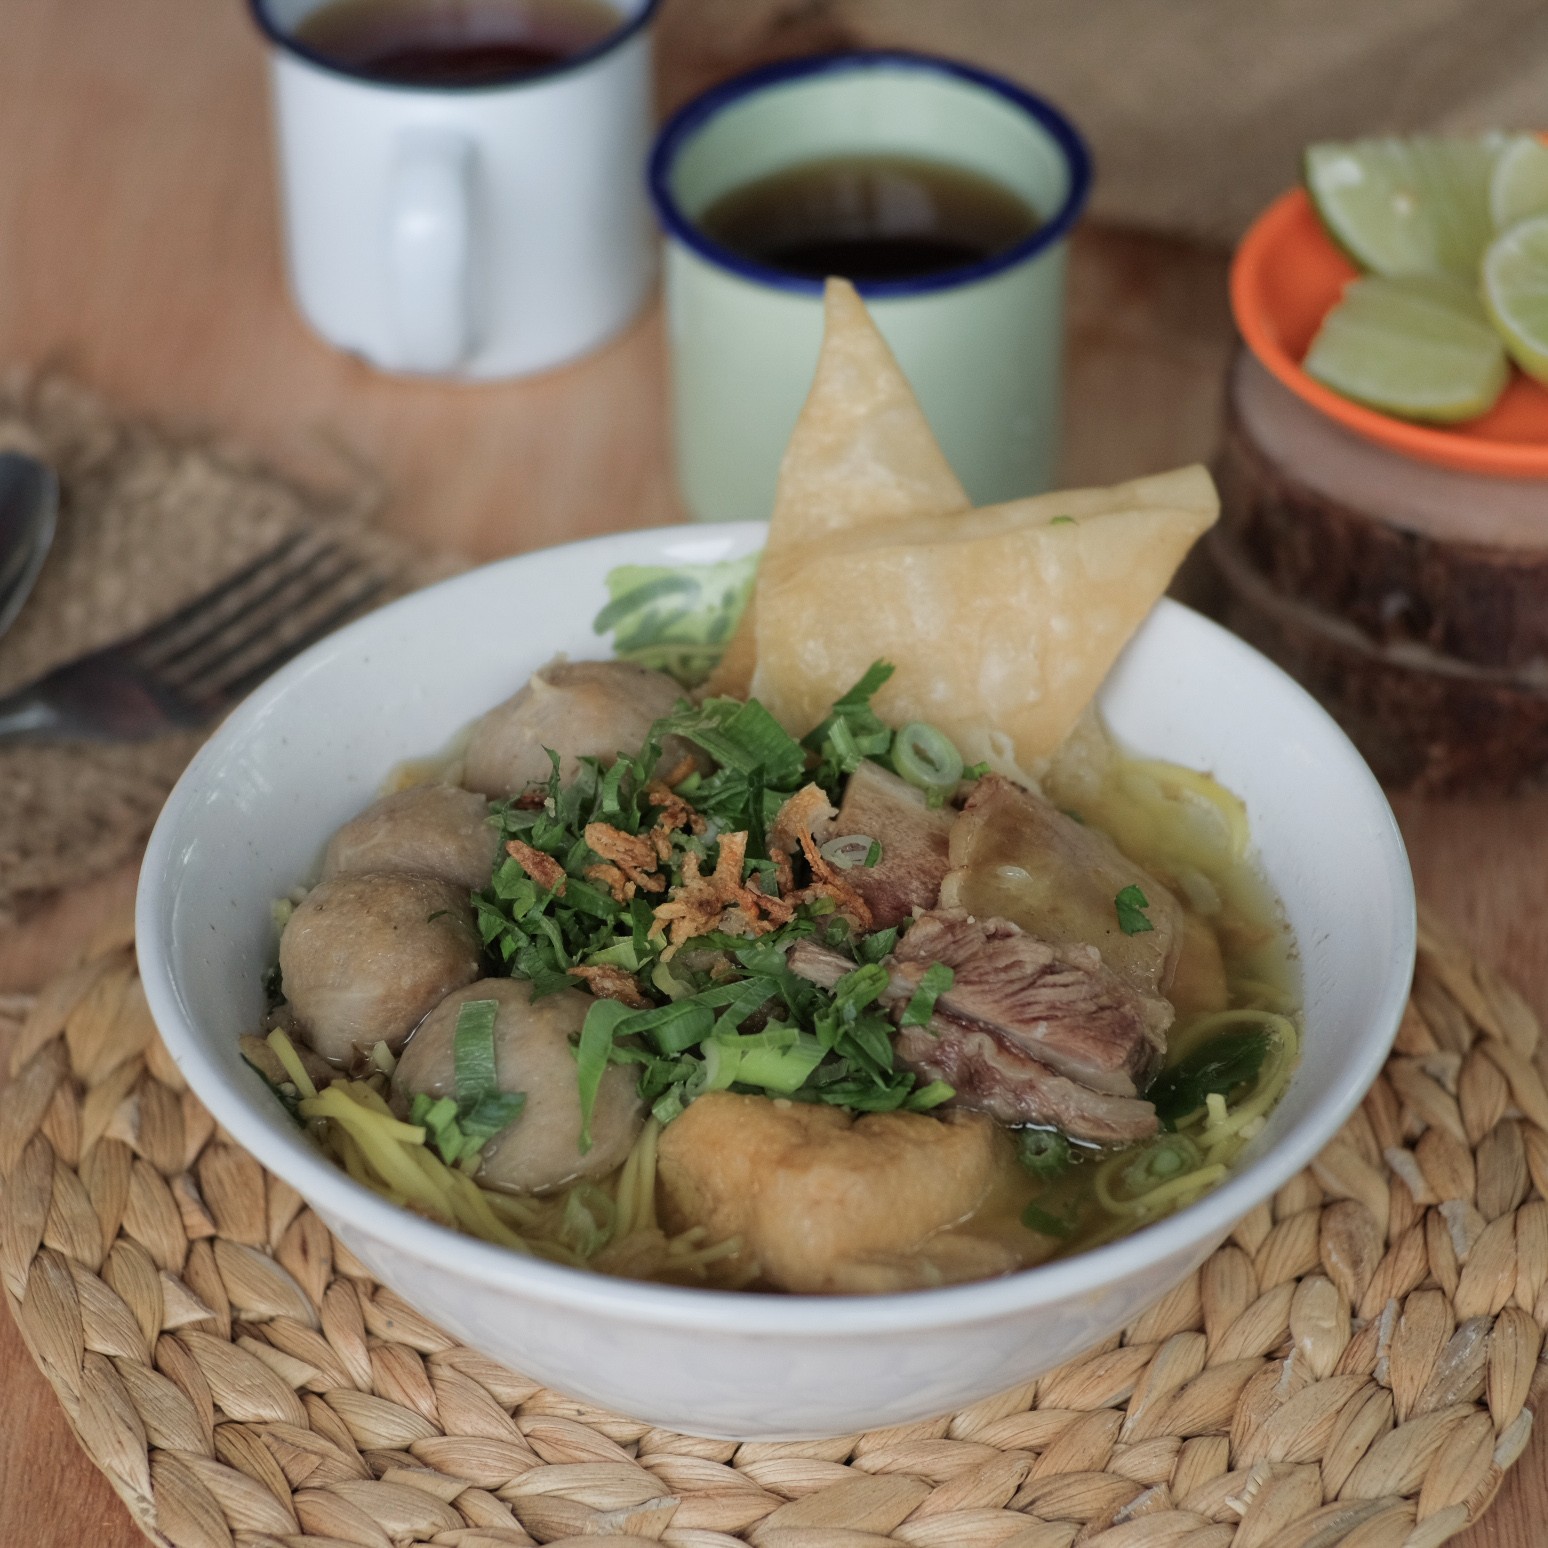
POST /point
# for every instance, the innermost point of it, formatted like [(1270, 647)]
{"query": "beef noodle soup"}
[(653, 988)]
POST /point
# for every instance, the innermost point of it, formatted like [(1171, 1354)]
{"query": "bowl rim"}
[(1254, 321), (330, 1189)]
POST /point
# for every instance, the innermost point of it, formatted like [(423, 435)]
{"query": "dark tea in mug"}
[(454, 42), (869, 217)]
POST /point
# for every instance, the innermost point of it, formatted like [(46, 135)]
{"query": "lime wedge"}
[(1519, 186), (1515, 290), (1413, 346), (1414, 206)]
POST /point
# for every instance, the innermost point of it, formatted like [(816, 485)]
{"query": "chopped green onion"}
[(592, 1057), (876, 945), (1131, 904), (926, 757), (624, 954), (440, 1112), (780, 1070), (586, 1224), (459, 1127), (1043, 1152), (860, 695), (936, 980), (494, 1111), (473, 1051), (666, 982), (676, 620), (672, 1027), (720, 1065), (694, 1036), (284, 1092), (740, 735), (1164, 1158), (850, 852), (668, 1105), (852, 732), (1217, 1067), (1035, 1218)]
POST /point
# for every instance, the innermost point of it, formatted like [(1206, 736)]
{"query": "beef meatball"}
[(594, 709), (364, 958), (432, 830), (540, 1150)]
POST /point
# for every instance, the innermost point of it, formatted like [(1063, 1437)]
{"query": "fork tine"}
[(166, 629), (217, 695), (235, 629), (267, 619)]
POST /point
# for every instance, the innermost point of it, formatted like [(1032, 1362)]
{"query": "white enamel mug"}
[(473, 232)]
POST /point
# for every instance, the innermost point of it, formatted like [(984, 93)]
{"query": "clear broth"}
[(1179, 826)]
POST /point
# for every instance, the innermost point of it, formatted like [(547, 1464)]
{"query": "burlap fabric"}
[(147, 522)]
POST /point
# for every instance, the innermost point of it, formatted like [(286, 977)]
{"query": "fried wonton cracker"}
[(1001, 622), (862, 455)]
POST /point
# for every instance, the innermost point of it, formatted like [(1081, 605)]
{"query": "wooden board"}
[(138, 246)]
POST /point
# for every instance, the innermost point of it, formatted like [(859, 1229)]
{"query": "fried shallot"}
[(543, 869)]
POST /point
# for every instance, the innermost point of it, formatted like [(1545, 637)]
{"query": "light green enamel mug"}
[(981, 344)]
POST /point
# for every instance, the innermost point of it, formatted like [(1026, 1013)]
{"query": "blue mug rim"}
[(689, 120), (282, 39)]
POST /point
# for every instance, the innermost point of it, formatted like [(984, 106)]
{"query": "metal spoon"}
[(29, 508)]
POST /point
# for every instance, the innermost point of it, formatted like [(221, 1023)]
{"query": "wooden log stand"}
[(1412, 600)]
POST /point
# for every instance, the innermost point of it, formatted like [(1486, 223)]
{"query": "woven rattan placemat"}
[(1355, 1366)]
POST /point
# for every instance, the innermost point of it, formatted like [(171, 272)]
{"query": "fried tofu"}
[(827, 1202)]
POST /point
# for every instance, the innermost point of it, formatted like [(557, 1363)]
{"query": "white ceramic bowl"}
[(309, 749)]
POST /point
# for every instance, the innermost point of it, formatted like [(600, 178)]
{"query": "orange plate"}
[(1285, 277)]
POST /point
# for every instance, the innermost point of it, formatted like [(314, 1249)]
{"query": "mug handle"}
[(429, 245)]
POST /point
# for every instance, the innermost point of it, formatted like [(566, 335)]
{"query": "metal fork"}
[(188, 669)]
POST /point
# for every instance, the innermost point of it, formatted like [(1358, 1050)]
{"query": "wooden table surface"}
[(138, 249)]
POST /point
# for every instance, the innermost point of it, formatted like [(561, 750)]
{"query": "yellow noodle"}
[(1187, 1035), (704, 1256), (1202, 787), (557, 1252), (1271, 1083), (1171, 1193), (286, 1053), (373, 1101), (514, 1211), (362, 1106), (1218, 1129), (378, 1143), (646, 1183), (627, 1191), (346, 1150), (475, 1215), (1260, 994)]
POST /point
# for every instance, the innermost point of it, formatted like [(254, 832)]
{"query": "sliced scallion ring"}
[(1043, 1152), (926, 757), (848, 852)]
